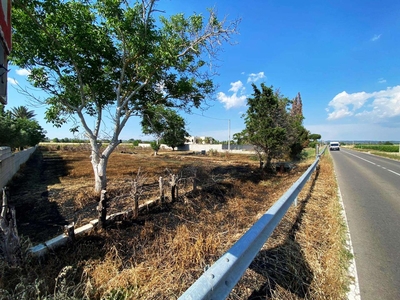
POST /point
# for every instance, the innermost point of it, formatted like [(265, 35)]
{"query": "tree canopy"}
[(22, 112), (110, 56), (314, 136), (274, 129), (19, 131), (166, 125)]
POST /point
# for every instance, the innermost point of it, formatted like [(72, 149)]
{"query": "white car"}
[(334, 146)]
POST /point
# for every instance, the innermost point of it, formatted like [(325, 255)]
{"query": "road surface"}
[(370, 188)]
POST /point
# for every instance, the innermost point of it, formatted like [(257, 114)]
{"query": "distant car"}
[(334, 146)]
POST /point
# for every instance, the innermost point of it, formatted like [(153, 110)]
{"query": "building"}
[(5, 46)]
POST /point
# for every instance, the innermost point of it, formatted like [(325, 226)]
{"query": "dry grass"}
[(159, 255)]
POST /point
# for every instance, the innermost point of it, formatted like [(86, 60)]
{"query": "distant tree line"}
[(19, 129)]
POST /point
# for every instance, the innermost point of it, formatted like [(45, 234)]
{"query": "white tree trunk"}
[(99, 163), (100, 175)]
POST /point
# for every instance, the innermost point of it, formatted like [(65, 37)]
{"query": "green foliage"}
[(239, 138), (155, 146), (22, 112), (314, 137), (19, 131), (209, 140), (106, 56), (383, 148), (312, 144), (268, 124), (165, 124)]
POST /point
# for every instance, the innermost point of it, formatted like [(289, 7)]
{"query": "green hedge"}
[(384, 148)]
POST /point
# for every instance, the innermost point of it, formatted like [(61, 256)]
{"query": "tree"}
[(165, 124), (314, 136), (5, 127), (19, 132), (209, 140), (298, 136), (297, 106), (22, 112), (155, 145), (93, 57), (28, 133), (240, 137), (267, 124)]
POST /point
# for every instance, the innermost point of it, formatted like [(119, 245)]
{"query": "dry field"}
[(162, 252)]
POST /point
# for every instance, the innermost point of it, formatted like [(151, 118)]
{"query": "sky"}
[(342, 56)]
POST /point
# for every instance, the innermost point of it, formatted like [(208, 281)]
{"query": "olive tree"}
[(111, 57)]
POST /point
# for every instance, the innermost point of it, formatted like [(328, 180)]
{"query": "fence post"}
[(194, 180), (173, 187), (161, 185), (8, 225), (70, 231), (135, 200)]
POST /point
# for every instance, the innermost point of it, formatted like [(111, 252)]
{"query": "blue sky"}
[(342, 56)]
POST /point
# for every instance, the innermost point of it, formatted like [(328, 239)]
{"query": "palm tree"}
[(22, 112)]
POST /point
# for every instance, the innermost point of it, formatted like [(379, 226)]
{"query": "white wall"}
[(11, 162)]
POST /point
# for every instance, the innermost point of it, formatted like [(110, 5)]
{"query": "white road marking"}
[(398, 174)]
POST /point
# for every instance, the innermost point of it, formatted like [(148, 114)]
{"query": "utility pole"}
[(229, 135)]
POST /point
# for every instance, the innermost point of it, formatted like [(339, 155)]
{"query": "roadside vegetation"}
[(381, 148), (388, 151), (162, 252)]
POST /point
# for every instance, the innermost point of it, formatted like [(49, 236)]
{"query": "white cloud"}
[(382, 80), (23, 72), (236, 86), (237, 99), (253, 77), (12, 81), (231, 101), (376, 37), (375, 106)]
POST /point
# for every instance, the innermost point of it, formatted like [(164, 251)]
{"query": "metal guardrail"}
[(218, 281)]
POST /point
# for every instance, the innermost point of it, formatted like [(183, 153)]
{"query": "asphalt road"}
[(370, 188)]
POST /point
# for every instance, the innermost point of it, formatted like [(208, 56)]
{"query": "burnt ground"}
[(44, 204), (37, 217), (161, 253)]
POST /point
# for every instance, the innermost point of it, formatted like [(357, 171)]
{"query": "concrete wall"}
[(241, 149), (10, 163), (201, 147), (147, 145)]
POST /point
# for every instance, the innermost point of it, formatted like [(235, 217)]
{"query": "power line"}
[(210, 117), (229, 127)]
